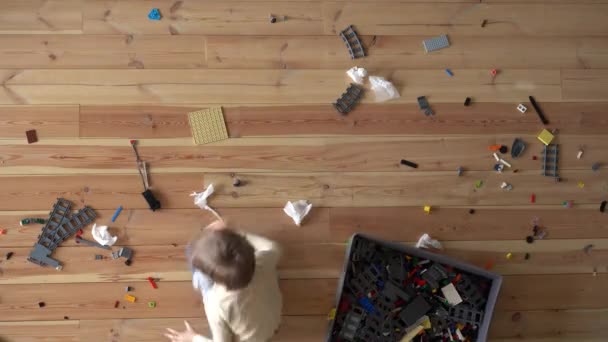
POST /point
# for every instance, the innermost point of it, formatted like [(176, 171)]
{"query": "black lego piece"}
[(517, 148), (424, 105), (409, 163), (503, 149), (467, 101), (539, 111), (413, 311), (472, 293), (349, 99), (603, 206), (153, 203), (353, 44)]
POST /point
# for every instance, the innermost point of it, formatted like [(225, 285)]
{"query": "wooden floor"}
[(89, 75)]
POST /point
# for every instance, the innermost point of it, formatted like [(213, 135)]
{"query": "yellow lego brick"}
[(130, 298), (545, 136), (332, 314), (509, 256), (208, 125), (427, 209)]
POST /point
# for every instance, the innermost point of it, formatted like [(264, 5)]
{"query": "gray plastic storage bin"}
[(356, 313)]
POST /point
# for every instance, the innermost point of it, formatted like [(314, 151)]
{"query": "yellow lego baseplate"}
[(545, 136), (208, 125)]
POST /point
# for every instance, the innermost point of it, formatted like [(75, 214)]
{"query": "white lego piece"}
[(504, 162), (451, 294), (459, 334), (496, 157), (579, 154), (522, 108), (506, 186)]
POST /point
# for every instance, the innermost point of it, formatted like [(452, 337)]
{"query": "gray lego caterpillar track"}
[(436, 43), (550, 160), (349, 99), (60, 226), (353, 44), (471, 292), (465, 314)]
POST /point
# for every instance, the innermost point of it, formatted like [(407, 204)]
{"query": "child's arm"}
[(271, 250)]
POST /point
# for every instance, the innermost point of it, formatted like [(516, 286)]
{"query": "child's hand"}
[(184, 336)]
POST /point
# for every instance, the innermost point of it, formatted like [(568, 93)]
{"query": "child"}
[(237, 275)]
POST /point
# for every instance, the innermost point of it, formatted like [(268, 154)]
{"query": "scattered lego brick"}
[(349, 99), (130, 299), (449, 72), (9, 255), (208, 125), (27, 221), (409, 163), (509, 256), (437, 43), (154, 14), (539, 112), (152, 304), (521, 108), (603, 206), (116, 213), (3, 231), (152, 283), (427, 209), (545, 137), (41, 304), (353, 44), (467, 101), (116, 304), (31, 136)]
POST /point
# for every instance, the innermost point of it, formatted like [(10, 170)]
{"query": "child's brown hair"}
[(224, 255)]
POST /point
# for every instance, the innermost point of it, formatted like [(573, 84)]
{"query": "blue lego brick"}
[(436, 43), (154, 14), (366, 304)]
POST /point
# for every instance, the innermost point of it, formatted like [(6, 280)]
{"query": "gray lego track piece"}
[(465, 314), (436, 43), (352, 323), (471, 292), (58, 228), (349, 99), (353, 44), (423, 103), (550, 160), (434, 275), (92, 243)]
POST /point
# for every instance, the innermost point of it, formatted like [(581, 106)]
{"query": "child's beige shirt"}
[(252, 314)]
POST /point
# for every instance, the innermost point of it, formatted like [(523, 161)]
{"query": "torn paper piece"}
[(357, 74), (426, 241), (102, 236), (297, 210), (451, 294), (383, 89), (200, 200)]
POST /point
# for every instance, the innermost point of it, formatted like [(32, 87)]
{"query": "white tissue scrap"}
[(102, 236), (357, 74), (297, 210), (200, 200), (383, 89), (426, 241)]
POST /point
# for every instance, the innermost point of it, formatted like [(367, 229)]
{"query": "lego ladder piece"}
[(550, 160), (353, 44), (58, 228), (465, 314), (471, 292), (349, 99)]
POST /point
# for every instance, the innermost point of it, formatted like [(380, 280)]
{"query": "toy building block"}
[(365, 281), (348, 99), (396, 268), (451, 294), (471, 292), (372, 329), (427, 209), (31, 136), (424, 105), (152, 283), (550, 161), (130, 298), (434, 274), (353, 43), (91, 243), (152, 304), (116, 213), (154, 14), (413, 311), (127, 253), (545, 137), (465, 314), (352, 323), (539, 111), (59, 226), (436, 43), (27, 221), (394, 292), (208, 125), (522, 108)]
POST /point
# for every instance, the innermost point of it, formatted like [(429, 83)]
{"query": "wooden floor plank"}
[(542, 19), (560, 325), (480, 118), (168, 263), (263, 86), (48, 121), (406, 52), (334, 225), (40, 16), (432, 153), (195, 17), (178, 299), (585, 85), (378, 189), (101, 51)]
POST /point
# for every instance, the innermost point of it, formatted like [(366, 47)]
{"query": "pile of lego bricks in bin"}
[(387, 294)]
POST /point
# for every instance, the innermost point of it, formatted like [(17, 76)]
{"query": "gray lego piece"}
[(434, 274), (125, 252), (396, 268), (353, 44), (471, 292), (550, 160), (465, 314), (92, 243), (365, 281), (352, 323), (413, 311), (424, 105), (349, 99), (57, 229), (394, 292), (436, 43)]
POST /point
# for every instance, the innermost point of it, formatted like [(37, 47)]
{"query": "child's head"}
[(224, 255)]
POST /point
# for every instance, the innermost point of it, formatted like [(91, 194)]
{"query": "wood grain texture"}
[(101, 51), (196, 17), (367, 119), (406, 52), (263, 86), (346, 189), (585, 85), (41, 16), (48, 121), (178, 299), (539, 19)]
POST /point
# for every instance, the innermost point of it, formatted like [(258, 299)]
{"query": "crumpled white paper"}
[(297, 210), (102, 236), (200, 200), (426, 241), (383, 89), (357, 74)]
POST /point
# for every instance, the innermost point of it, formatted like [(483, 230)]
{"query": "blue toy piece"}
[(116, 213), (366, 304), (449, 72), (154, 14)]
